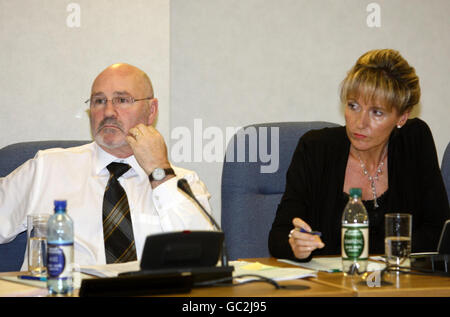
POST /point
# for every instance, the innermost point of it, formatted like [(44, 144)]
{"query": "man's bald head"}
[(138, 78), (110, 123)]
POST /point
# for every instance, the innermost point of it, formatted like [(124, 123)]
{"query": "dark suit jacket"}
[(315, 181)]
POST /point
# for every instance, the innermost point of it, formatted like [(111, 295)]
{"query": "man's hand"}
[(148, 147)]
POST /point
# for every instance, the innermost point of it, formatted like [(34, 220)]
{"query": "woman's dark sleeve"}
[(434, 209), (294, 203)]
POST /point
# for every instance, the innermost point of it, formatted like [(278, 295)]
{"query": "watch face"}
[(158, 174)]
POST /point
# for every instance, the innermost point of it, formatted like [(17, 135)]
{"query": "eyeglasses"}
[(119, 101)]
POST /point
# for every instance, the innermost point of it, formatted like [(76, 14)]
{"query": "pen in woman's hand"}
[(316, 233)]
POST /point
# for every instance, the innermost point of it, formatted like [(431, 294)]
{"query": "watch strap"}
[(167, 171)]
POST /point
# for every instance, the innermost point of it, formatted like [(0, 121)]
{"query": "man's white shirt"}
[(79, 175)]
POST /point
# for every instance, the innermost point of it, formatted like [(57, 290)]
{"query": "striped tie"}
[(117, 226)]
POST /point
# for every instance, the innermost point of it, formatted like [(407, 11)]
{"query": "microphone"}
[(184, 186)]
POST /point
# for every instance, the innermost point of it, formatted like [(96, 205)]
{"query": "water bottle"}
[(60, 251), (355, 235)]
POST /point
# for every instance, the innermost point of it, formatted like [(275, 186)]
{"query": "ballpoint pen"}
[(316, 233), (34, 278)]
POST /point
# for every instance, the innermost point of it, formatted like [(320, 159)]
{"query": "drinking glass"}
[(397, 241), (37, 243)]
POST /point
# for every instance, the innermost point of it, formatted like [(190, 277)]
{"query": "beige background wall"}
[(238, 62), (47, 63), (227, 63)]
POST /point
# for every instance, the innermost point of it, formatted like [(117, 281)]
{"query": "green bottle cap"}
[(355, 192)]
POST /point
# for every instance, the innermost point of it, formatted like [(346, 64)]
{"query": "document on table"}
[(110, 270), (268, 271), (77, 277), (240, 268), (80, 273), (331, 264)]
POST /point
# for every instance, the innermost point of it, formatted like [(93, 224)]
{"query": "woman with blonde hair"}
[(391, 157)]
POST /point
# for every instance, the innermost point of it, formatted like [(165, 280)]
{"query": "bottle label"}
[(59, 260), (355, 242)]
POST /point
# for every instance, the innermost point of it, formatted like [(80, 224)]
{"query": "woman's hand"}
[(302, 244)]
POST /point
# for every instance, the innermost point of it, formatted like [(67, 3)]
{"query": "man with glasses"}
[(128, 159), (122, 111)]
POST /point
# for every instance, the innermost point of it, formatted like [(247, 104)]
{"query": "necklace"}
[(373, 178)]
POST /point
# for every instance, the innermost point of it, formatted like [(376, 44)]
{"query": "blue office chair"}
[(445, 169), (12, 156), (250, 197)]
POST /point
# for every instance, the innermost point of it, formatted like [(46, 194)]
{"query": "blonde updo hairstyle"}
[(382, 77)]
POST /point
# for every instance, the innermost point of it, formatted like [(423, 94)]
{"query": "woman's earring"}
[(398, 126)]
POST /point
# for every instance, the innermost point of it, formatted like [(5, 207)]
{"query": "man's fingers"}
[(131, 141), (141, 129), (134, 132), (145, 130)]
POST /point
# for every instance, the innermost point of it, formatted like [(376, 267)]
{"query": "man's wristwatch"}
[(160, 173)]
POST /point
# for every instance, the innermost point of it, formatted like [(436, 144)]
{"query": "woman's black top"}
[(315, 182)]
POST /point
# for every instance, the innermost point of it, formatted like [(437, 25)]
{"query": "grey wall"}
[(224, 63), (237, 62), (47, 63)]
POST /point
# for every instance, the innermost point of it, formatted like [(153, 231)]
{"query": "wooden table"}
[(324, 285), (399, 284), (296, 288), (267, 290)]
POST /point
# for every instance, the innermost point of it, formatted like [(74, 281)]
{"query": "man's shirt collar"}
[(103, 159)]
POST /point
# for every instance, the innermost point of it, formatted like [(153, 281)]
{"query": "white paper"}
[(110, 270), (77, 277), (272, 272), (240, 268), (331, 264)]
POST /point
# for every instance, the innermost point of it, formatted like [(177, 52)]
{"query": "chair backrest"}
[(445, 169), (11, 157), (250, 196)]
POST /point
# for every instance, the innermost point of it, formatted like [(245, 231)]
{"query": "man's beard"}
[(100, 138)]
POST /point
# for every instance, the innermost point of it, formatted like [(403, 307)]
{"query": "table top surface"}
[(324, 285), (390, 285)]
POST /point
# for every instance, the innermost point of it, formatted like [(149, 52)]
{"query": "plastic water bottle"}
[(355, 235), (60, 251)]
